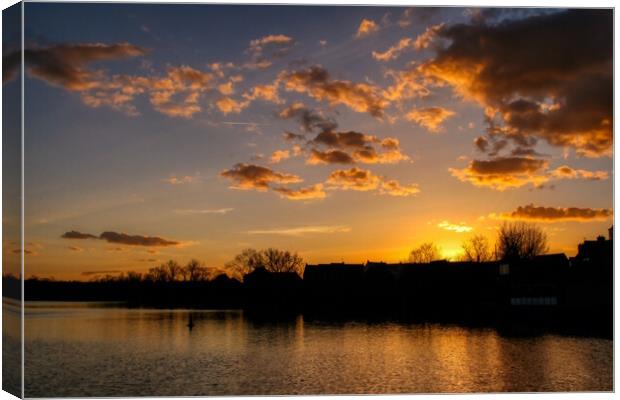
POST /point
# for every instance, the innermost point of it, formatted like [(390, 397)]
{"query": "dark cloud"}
[(136, 240), (64, 65), (354, 179), (344, 140), (544, 76), (78, 235), (308, 119), (504, 172), (122, 238), (308, 193), (291, 137), (249, 176), (507, 165), (329, 157), (557, 214)]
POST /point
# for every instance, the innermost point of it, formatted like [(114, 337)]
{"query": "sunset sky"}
[(342, 133)]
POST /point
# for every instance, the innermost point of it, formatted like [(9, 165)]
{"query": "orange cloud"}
[(279, 155), (366, 28), (264, 50), (430, 118), (229, 105), (317, 83), (264, 92), (407, 85), (174, 180), (308, 193), (353, 179), (425, 39), (394, 188), (504, 172), (393, 52), (248, 176), (566, 172)]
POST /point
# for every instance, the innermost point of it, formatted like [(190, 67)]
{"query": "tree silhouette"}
[(194, 271), (273, 260), (476, 249), (520, 240), (245, 262), (425, 253)]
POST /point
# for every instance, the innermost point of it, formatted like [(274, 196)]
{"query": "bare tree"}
[(174, 270), (194, 271), (476, 249), (425, 253), (520, 240), (282, 261), (245, 262), (273, 260)]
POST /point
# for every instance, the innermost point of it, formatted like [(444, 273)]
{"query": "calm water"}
[(88, 350)]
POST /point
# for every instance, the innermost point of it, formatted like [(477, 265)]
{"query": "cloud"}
[(267, 48), (308, 193), (77, 249), (419, 13), (407, 85), (503, 172), (175, 94), (566, 172), (559, 87), (364, 180), (136, 240), (122, 238), (65, 65), (174, 180), (279, 155), (302, 230), (317, 83), (430, 118), (353, 179), (229, 105), (264, 92), (205, 211), (249, 176), (363, 148), (366, 28), (394, 51), (329, 157), (426, 38), (78, 235), (394, 188), (343, 140), (308, 119), (459, 228), (558, 214)]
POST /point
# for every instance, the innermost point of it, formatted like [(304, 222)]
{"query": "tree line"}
[(515, 241)]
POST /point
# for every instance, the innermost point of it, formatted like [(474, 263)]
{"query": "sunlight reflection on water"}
[(81, 350)]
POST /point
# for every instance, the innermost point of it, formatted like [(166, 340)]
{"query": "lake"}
[(90, 349)]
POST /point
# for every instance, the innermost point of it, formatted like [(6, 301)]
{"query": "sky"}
[(158, 132)]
